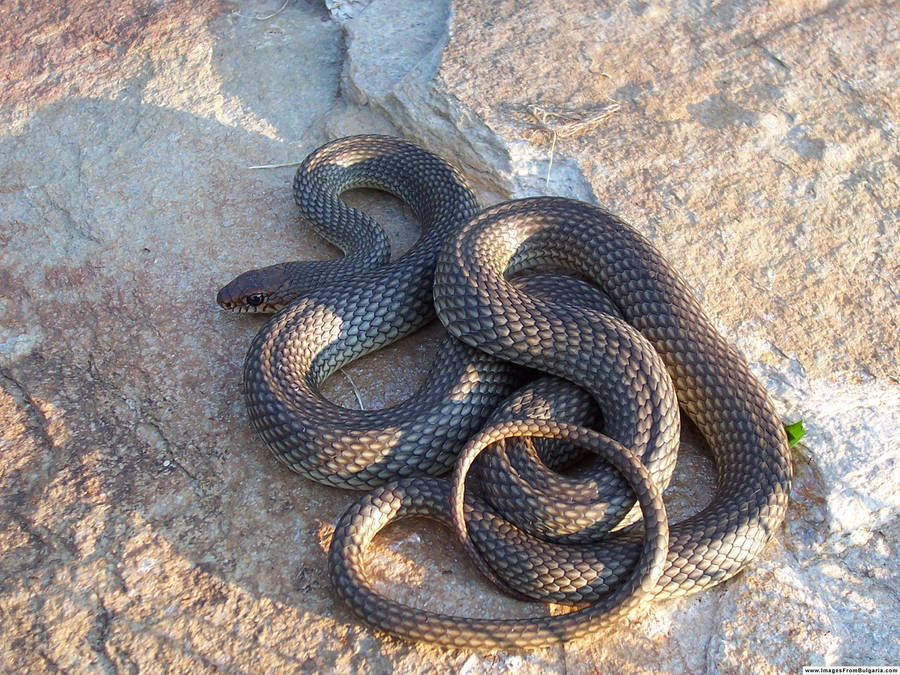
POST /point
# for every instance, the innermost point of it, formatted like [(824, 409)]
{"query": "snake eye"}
[(256, 299)]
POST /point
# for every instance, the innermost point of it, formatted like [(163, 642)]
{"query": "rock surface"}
[(144, 527)]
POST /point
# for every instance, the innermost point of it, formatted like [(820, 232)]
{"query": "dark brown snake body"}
[(628, 365)]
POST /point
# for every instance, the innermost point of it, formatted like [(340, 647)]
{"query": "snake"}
[(637, 354)]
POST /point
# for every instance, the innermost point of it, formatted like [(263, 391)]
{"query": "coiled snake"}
[(630, 349)]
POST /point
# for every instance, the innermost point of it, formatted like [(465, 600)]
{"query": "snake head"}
[(259, 291)]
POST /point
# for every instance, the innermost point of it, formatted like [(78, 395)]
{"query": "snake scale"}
[(540, 285)]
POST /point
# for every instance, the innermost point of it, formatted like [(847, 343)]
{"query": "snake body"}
[(713, 383), (332, 313), (626, 365)]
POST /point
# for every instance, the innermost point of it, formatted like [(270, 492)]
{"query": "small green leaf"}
[(795, 432)]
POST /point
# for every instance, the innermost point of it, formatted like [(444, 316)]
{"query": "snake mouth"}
[(246, 309), (241, 308)]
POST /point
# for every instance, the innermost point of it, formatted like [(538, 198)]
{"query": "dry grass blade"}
[(568, 123), (273, 14), (353, 388), (274, 166)]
